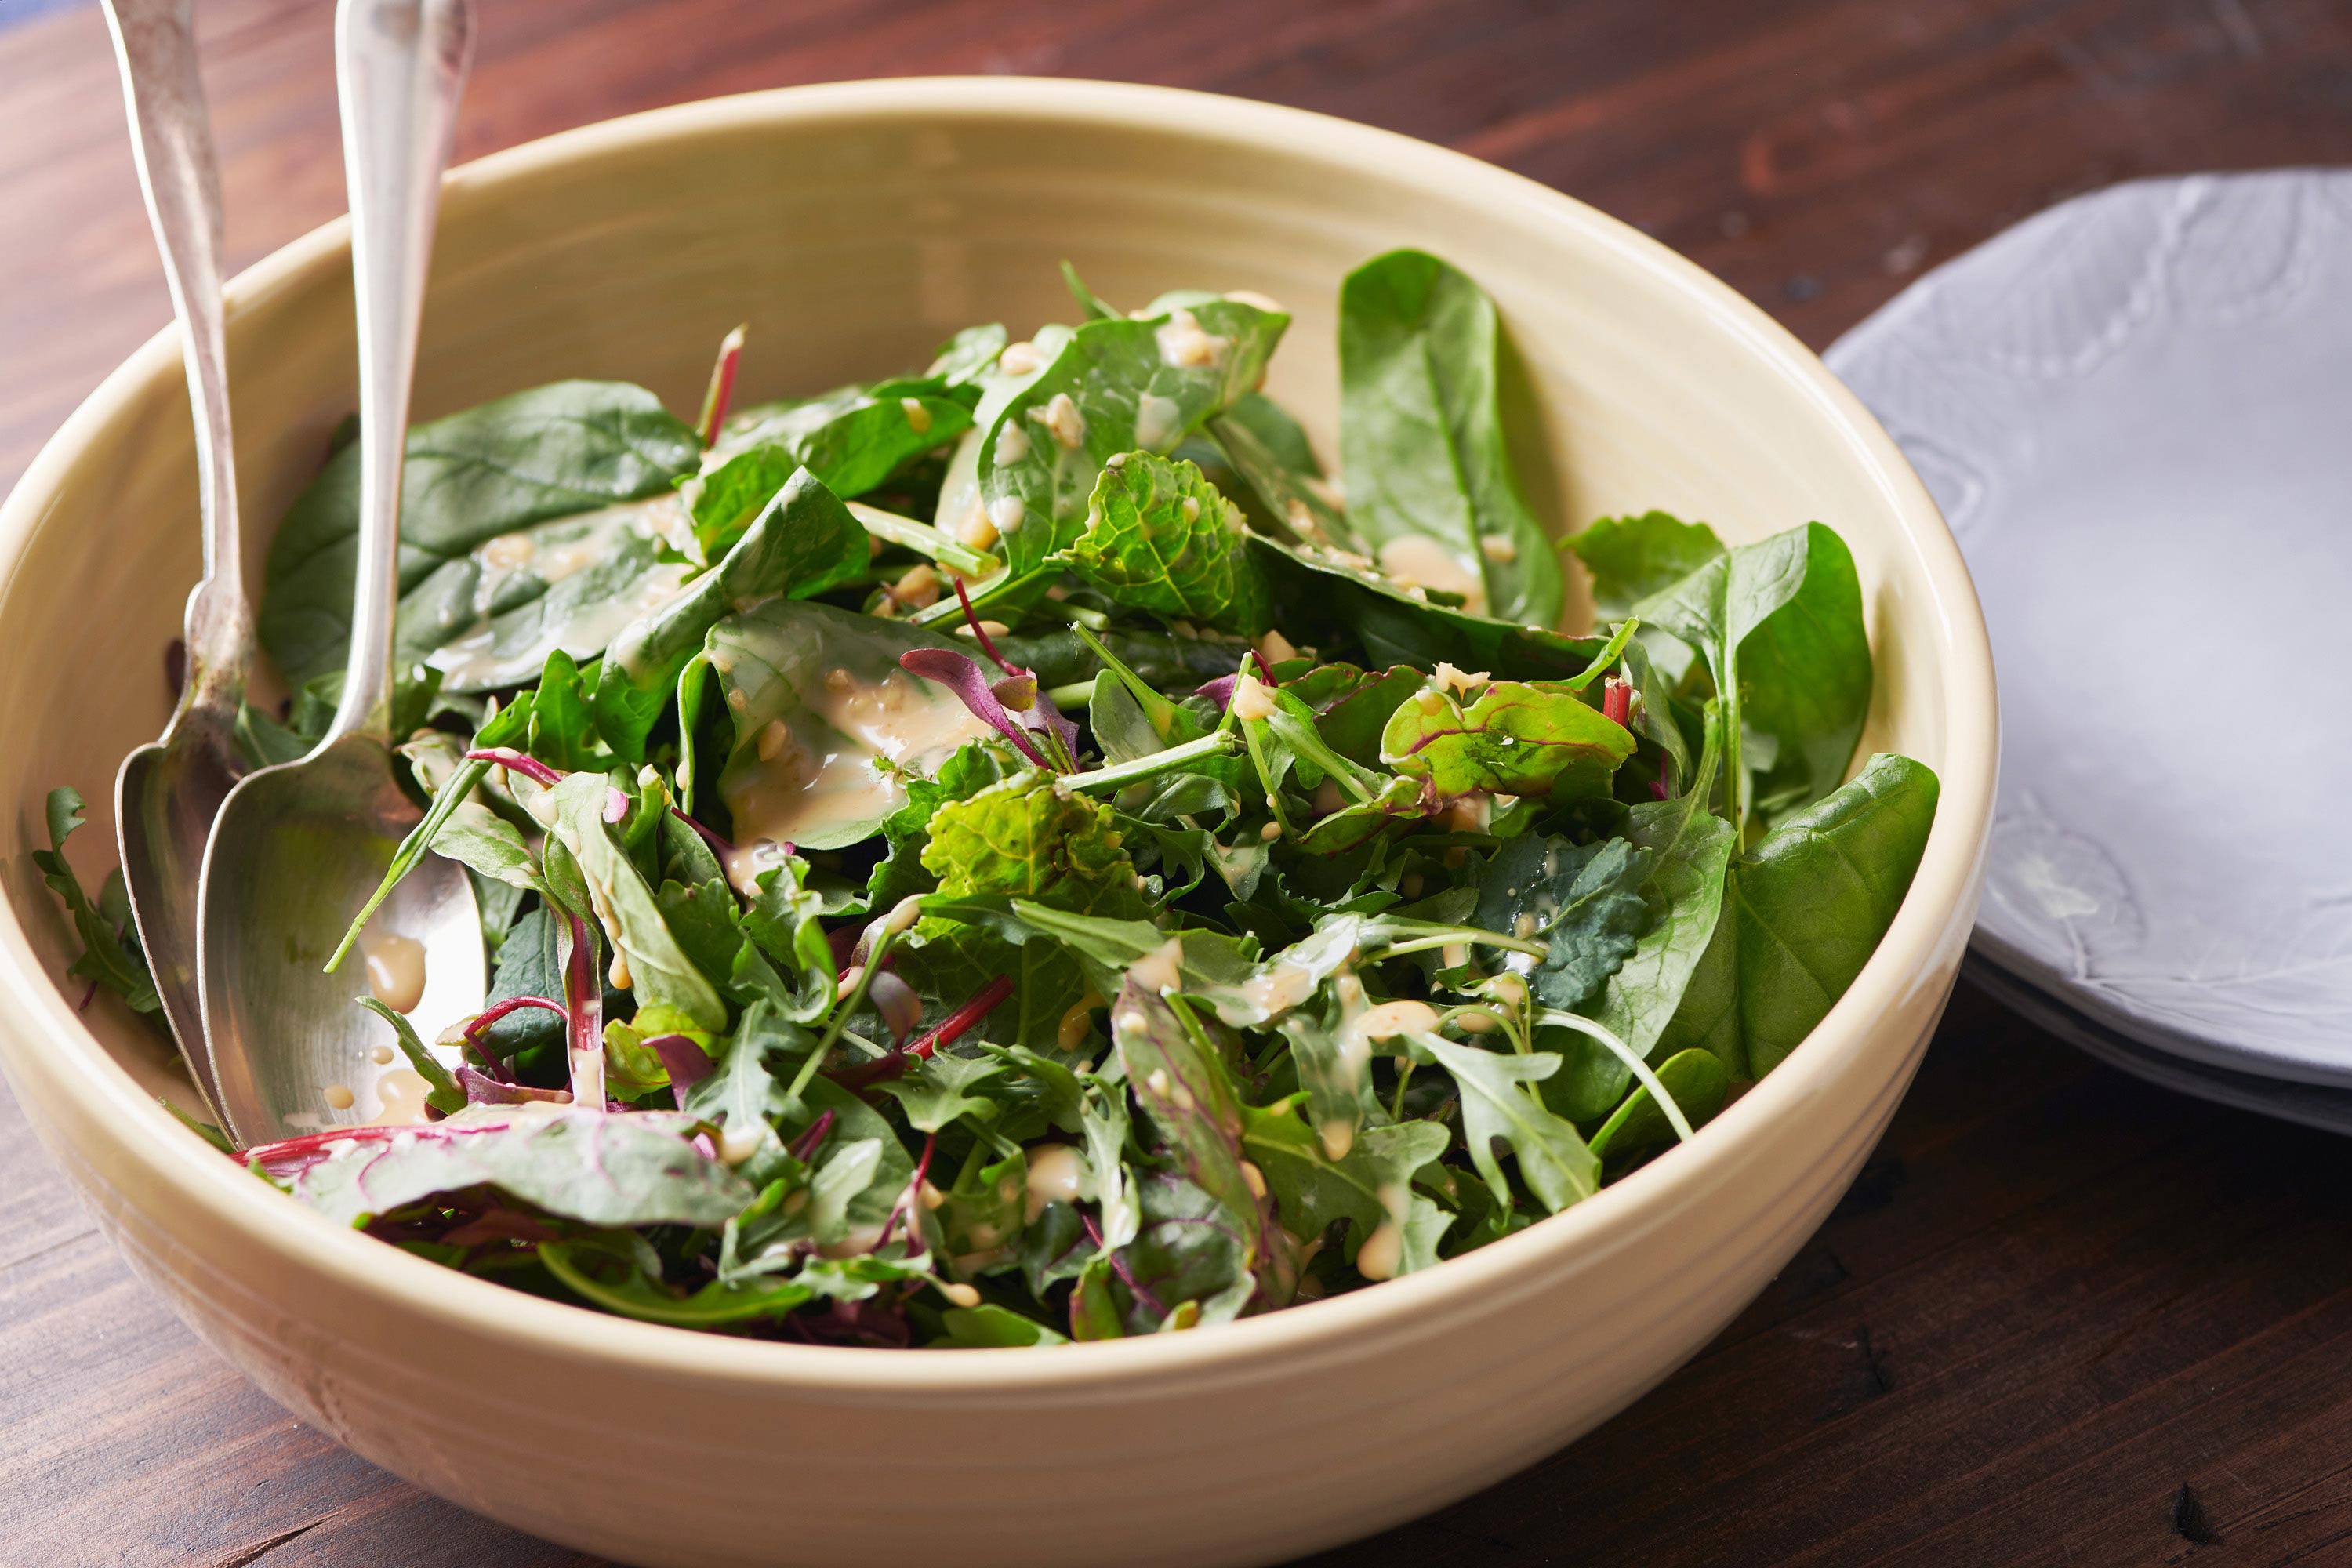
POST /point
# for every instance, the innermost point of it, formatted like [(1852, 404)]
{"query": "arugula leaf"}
[(596, 1167), (937, 1091), (1103, 1117), (560, 725), (1500, 1104), (1582, 899), (111, 955), (742, 1097), (552, 452), (1516, 738), (1420, 435), (1160, 538), (1368, 1187), (977, 1228), (657, 969), (803, 543), (1114, 386), (848, 1170), (442, 1092), (782, 923)]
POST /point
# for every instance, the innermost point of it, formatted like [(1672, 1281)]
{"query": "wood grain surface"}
[(2063, 1319)]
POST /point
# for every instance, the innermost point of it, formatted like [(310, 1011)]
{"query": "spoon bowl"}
[(295, 843), (298, 848), (167, 798)]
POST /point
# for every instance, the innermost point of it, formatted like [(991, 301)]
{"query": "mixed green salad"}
[(1014, 853)]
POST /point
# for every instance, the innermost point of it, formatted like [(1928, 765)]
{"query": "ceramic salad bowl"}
[(855, 225)]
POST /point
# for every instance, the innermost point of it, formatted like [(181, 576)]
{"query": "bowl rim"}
[(1924, 924)]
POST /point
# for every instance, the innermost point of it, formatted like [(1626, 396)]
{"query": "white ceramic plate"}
[(2136, 412)]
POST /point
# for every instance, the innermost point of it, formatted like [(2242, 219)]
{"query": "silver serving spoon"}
[(299, 846), (169, 792)]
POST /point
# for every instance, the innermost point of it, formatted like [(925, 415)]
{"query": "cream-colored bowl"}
[(854, 226)]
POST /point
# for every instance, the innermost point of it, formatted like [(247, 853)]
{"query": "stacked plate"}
[(2136, 410)]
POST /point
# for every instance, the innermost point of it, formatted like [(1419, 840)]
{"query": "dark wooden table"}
[(2063, 1317)]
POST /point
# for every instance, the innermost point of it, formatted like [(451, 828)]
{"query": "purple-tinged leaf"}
[(964, 677), (481, 1089), (685, 1061)]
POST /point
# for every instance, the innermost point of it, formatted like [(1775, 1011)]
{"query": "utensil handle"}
[(400, 66), (171, 137)]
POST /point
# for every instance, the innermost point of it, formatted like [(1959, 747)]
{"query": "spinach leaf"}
[(567, 586), (1631, 558), (820, 689), (528, 966), (1160, 538), (1336, 598), (1420, 439), (989, 1326), (803, 543), (1114, 386), (1806, 908), (848, 441), (1161, 659), (612, 1273), (1780, 623), (552, 452), (1277, 475), (964, 359), (1700, 1086), (1276, 433)]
